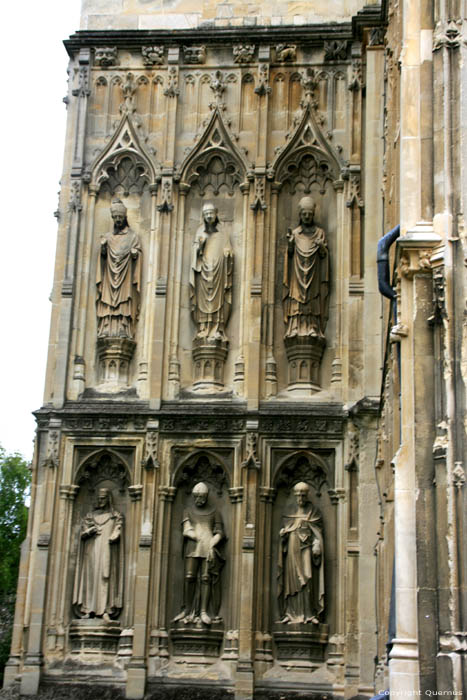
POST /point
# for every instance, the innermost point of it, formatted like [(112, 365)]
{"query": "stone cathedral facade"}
[(248, 478)]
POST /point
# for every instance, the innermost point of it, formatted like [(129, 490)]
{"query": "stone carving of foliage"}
[(152, 55), (307, 468), (201, 467)]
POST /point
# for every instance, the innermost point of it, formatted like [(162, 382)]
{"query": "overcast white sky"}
[(33, 126)]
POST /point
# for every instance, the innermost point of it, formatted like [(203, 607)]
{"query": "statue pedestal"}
[(94, 637), (304, 354), (302, 645), (208, 361), (114, 363), (197, 640)]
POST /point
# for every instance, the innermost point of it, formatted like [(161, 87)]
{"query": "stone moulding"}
[(188, 640), (94, 638), (303, 644)]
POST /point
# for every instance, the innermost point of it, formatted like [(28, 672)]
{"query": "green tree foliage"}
[(15, 479)]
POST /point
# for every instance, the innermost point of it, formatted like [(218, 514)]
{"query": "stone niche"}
[(98, 596), (190, 637), (310, 173), (213, 174), (301, 623)]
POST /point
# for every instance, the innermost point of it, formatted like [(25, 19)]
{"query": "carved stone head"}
[(301, 492), (104, 499), (200, 494), (118, 213), (306, 209), (209, 213)]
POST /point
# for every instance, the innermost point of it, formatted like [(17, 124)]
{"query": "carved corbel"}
[(152, 55), (243, 53), (286, 53), (194, 54), (335, 50), (106, 56)]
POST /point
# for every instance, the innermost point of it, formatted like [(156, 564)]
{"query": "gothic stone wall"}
[(252, 123)]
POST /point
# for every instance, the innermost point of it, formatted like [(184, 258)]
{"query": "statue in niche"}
[(306, 277), (118, 278), (98, 589), (211, 277), (203, 536), (300, 566)]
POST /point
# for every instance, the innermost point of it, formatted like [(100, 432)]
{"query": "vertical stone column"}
[(137, 671), (412, 456), (239, 374), (150, 304), (244, 679), (48, 464), (82, 295), (372, 346)]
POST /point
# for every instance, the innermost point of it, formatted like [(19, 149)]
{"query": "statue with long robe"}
[(118, 278), (300, 565), (306, 277), (211, 277), (203, 536), (98, 587)]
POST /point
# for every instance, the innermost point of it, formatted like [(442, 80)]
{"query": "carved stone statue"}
[(300, 565), (203, 535), (211, 277), (118, 278), (98, 589), (306, 276)]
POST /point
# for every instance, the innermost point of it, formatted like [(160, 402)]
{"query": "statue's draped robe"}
[(211, 281), (300, 572), (306, 283), (205, 526), (98, 585), (119, 285)]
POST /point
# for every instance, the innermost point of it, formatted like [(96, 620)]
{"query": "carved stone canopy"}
[(201, 467), (104, 466), (303, 466)]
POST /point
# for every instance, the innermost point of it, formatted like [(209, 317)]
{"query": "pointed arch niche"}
[(124, 170), (307, 165), (214, 171), (316, 469)]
